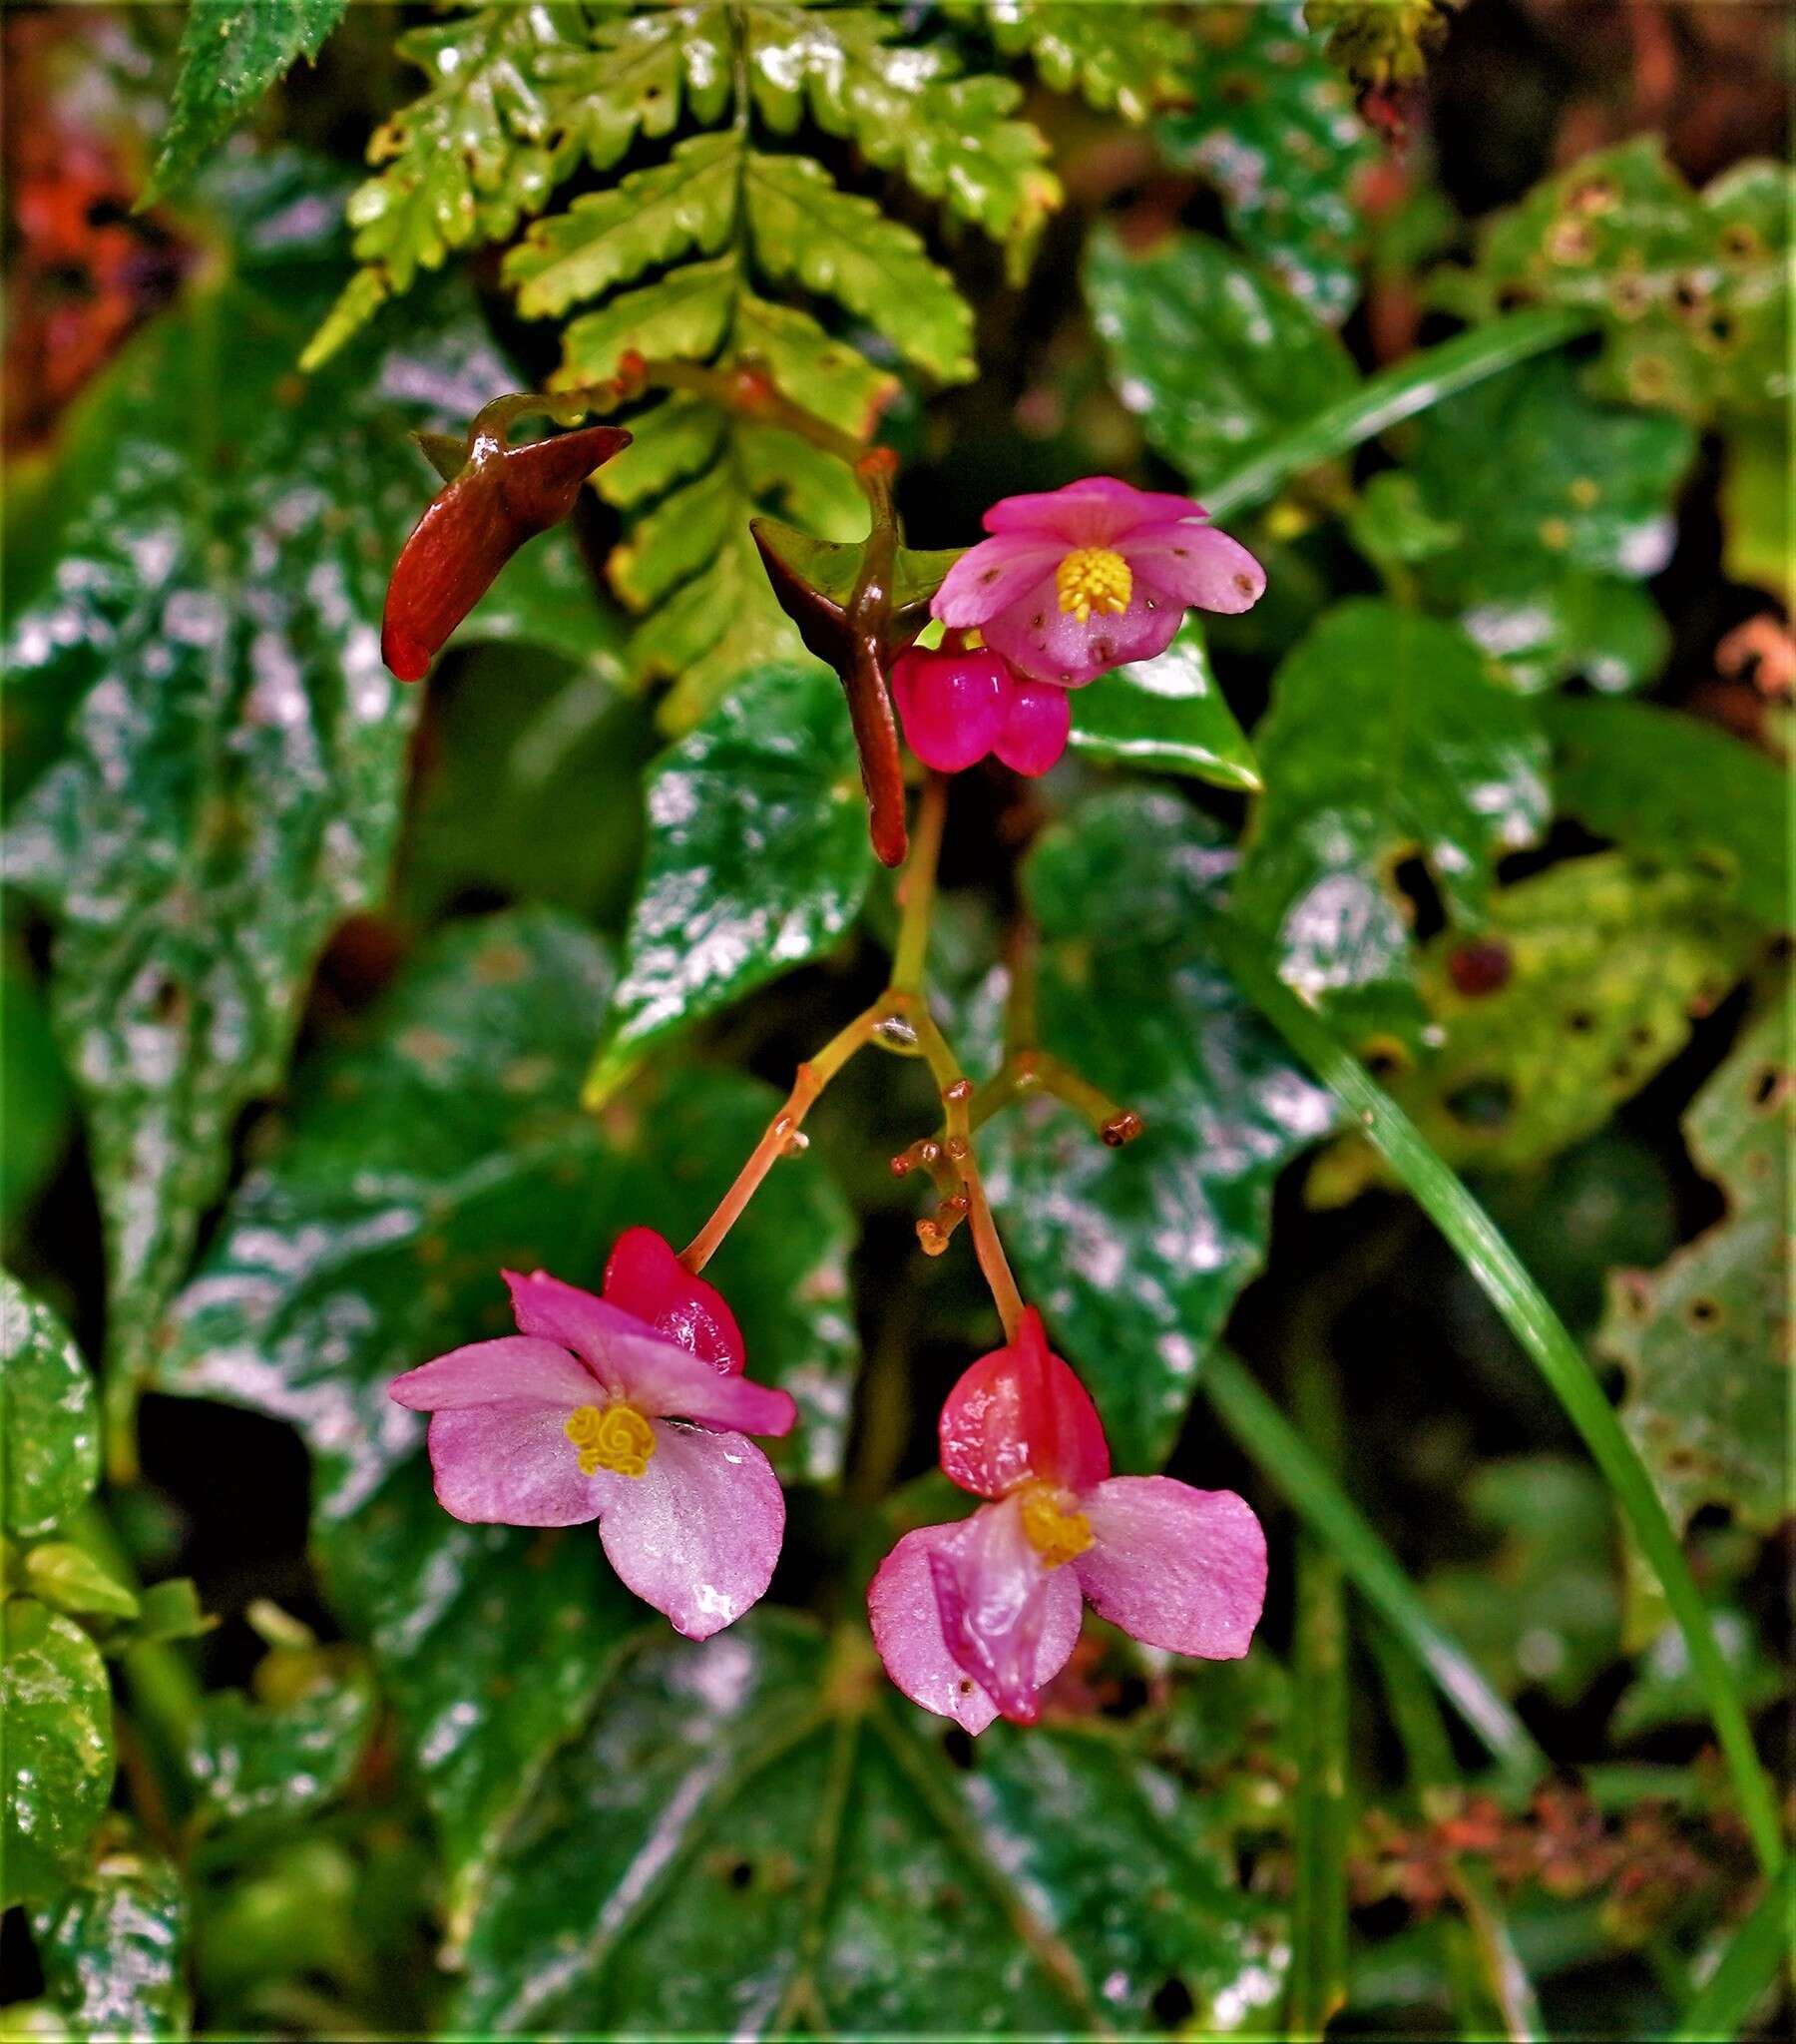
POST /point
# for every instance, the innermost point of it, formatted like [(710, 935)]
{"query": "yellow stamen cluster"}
[(1056, 1535), (618, 1438), (1094, 579)]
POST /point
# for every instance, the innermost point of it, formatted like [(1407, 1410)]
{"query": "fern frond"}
[(1126, 55)]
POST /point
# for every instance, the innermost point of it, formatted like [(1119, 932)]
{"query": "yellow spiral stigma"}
[(618, 1438), (1056, 1535), (1094, 579)]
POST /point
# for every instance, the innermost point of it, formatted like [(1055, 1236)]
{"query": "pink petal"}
[(1020, 1413), (1195, 564), (698, 1533), (991, 574), (510, 1465), (645, 1278), (907, 1629), (1175, 1567), (667, 1381), (952, 704), (1009, 1619), (580, 1321), (1088, 513), (1046, 644), (1037, 724), (514, 1370)]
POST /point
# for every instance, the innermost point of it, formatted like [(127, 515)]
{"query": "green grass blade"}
[(1394, 395), (1290, 1463), (1560, 1360), (1747, 1969)]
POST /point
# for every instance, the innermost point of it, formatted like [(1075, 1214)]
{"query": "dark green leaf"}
[(1669, 786), (51, 1435), (1385, 738), (269, 1765), (1272, 126), (757, 861), (113, 1948), (37, 1111), (231, 51), (750, 1836), (1165, 715), (1215, 358), (1704, 1341), (1135, 1256), (57, 1707), (232, 780)]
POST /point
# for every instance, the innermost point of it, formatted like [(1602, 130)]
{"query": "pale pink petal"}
[(698, 1533), (669, 1383), (510, 1465), (1020, 1414), (513, 1370), (645, 1278), (1175, 1567), (1008, 1619), (580, 1321), (907, 1629), (1037, 721), (991, 574), (1195, 564), (1088, 513), (952, 704), (1048, 644)]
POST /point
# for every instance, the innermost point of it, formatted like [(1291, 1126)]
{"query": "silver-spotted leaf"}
[(57, 1705), (114, 1947), (51, 1431)]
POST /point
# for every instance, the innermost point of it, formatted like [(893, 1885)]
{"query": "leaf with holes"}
[(114, 1947), (1136, 1255), (51, 1435), (1214, 354), (56, 1705), (231, 783), (1165, 715), (757, 861), (1271, 124), (753, 1826), (1386, 740), (1704, 1341)]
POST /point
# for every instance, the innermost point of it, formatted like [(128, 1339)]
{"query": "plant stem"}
[(1749, 1967), (1395, 393), (1499, 1271), (916, 890)]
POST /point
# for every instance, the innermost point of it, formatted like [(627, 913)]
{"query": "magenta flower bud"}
[(1038, 719), (952, 704)]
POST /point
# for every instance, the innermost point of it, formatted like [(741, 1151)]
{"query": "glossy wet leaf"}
[(1544, 1610), (1704, 1341), (1271, 124), (1579, 985), (114, 1945), (752, 1831), (757, 860), (231, 51), (1136, 1255), (1386, 740), (267, 1765), (51, 1430), (208, 611), (1113, 54), (1559, 504), (1213, 355), (1165, 715), (58, 1763), (1668, 786)]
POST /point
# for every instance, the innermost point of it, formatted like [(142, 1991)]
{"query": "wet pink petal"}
[(516, 1369), (1020, 1413), (1008, 1619), (1037, 721), (1195, 564), (510, 1465), (992, 574), (667, 1381), (907, 1629), (580, 1321), (952, 704), (1088, 513), (1048, 644), (1175, 1567), (698, 1533), (643, 1276)]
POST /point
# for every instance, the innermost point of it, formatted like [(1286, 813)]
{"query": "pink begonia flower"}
[(1076, 581), (631, 1409), (975, 1619), (962, 703)]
